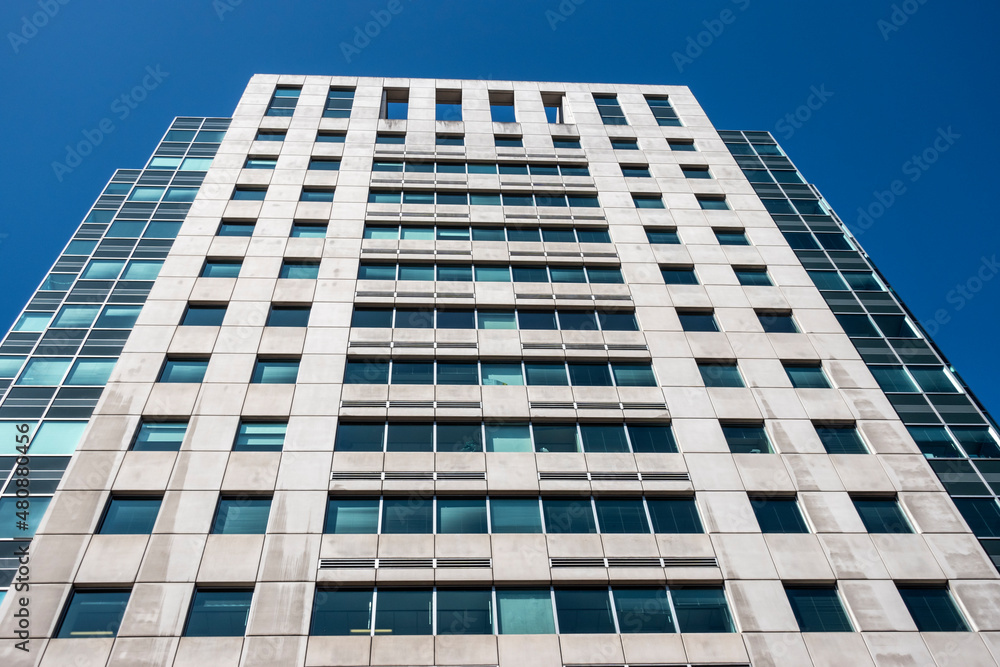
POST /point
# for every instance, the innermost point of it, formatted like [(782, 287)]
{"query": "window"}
[(395, 103), (235, 228), (723, 374), (663, 112), (553, 105), (747, 439), (341, 611), (565, 142), (316, 195), (351, 516), (697, 321), (893, 379), (635, 172), (647, 201), (828, 280), (681, 145), (818, 609), (448, 105), (841, 439), (245, 193), (508, 142), (524, 611), (93, 614), (584, 611), (933, 379), (934, 441), (338, 103), (665, 236), (241, 515), (621, 515), (568, 516), (407, 515), (515, 515), (130, 516), (807, 377), (203, 316), (679, 276), (449, 140), (725, 237), (712, 203), (270, 135), (275, 371), (502, 107), (92, 372), (977, 441), (623, 144), (752, 276), (183, 370), (288, 316), (385, 138), (218, 613), (404, 612), (778, 515), (460, 515), (611, 113), (882, 515), (260, 163), (327, 137), (308, 230), (299, 270), (283, 102), (324, 164), (697, 172), (674, 515), (773, 322), (933, 609), (260, 437), (159, 436)]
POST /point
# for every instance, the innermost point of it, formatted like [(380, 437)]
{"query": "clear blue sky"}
[(893, 86)]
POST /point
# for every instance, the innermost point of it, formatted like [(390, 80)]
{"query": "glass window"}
[(118, 317), (556, 438), (394, 139), (701, 609), (457, 373), (621, 515), (372, 317), (713, 204), (807, 377), (464, 611), (359, 437), (568, 516), (589, 375), (146, 194), (342, 611), (841, 440), (449, 140), (702, 172), (299, 270), (9, 366), (93, 614), (857, 325), (777, 323), (220, 268), (757, 277), (316, 195), (92, 372), (747, 439), (308, 230), (679, 276), (461, 515), (241, 516), (541, 373), (603, 438), (203, 316), (524, 611), (508, 438), (183, 370), (497, 320), (933, 379), (882, 515), (456, 319), (159, 436), (583, 201), (652, 438), (452, 233), (602, 276), (57, 437), (542, 320), (731, 238), (818, 609), (181, 194), (351, 516), (43, 372), (376, 232), (622, 144), (452, 198), (977, 441), (324, 164), (76, 317), (982, 515), (9, 515), (515, 515), (591, 235), (508, 142), (270, 135), (130, 516), (565, 142), (377, 272), (617, 321), (331, 137), (933, 609), (484, 198), (426, 272), (338, 103), (530, 274), (567, 274), (459, 438), (488, 234), (584, 611), (384, 197), (643, 610), (698, 321), (275, 371), (412, 372), (288, 316), (57, 281), (417, 233), (674, 515), (241, 193), (893, 379), (647, 201), (862, 281), (720, 375), (558, 236), (529, 235), (502, 374), (403, 612), (934, 441), (218, 613), (33, 322), (493, 274), (260, 437), (635, 172), (828, 280), (778, 515), (410, 438), (235, 228), (413, 515)]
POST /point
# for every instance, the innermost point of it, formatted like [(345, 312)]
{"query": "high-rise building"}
[(438, 372)]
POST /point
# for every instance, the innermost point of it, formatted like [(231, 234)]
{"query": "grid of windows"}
[(503, 168), (511, 234), (490, 273), (482, 199), (468, 318), (542, 373)]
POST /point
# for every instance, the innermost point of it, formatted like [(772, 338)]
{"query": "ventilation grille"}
[(583, 476), (463, 405), (672, 561), (586, 297), (403, 563), (585, 346), (388, 294), (395, 475), (589, 405)]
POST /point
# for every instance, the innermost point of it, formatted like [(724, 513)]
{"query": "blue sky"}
[(895, 78)]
